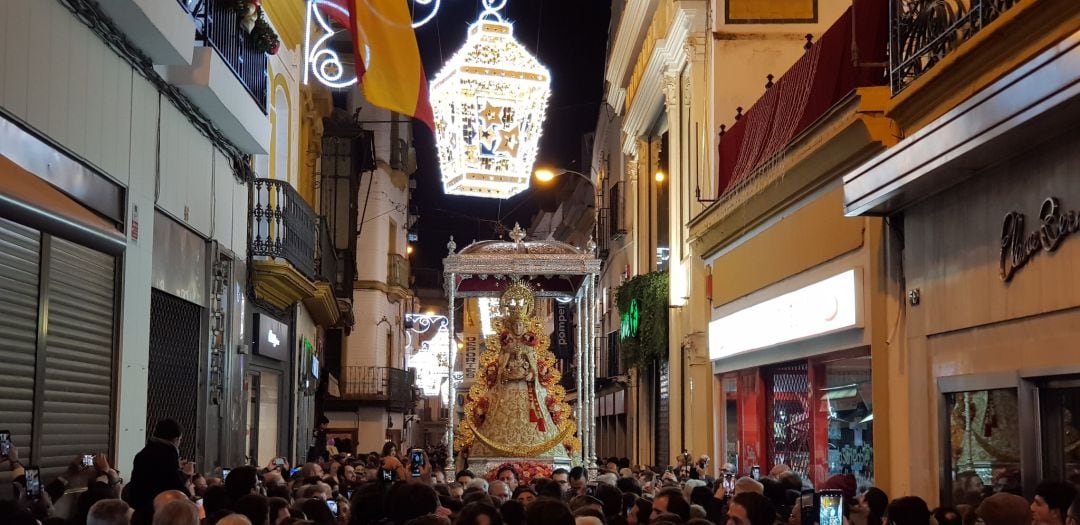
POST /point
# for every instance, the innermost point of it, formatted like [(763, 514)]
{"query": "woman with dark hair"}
[(389, 449), (479, 514), (639, 513), (875, 501), (524, 494)]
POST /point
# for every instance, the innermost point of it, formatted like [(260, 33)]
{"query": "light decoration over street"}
[(323, 20), (431, 358), (489, 102)]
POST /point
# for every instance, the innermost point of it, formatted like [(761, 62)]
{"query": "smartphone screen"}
[(416, 457), (279, 461), (729, 483), (33, 482), (5, 443), (755, 472), (88, 460), (831, 507), (225, 473), (294, 472), (333, 506)]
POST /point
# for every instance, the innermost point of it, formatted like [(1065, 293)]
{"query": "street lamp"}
[(549, 174)]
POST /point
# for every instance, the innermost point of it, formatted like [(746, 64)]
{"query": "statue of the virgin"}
[(511, 412)]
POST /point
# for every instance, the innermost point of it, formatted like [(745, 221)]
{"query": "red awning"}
[(849, 55)]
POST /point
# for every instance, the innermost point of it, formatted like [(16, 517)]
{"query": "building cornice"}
[(393, 293), (668, 54), (627, 40), (852, 132)]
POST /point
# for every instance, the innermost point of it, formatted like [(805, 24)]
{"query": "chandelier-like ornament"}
[(489, 102)]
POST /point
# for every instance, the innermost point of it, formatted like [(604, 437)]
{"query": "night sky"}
[(572, 36)]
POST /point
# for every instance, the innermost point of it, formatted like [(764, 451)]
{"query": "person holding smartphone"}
[(9, 455)]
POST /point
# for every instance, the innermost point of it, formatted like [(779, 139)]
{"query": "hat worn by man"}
[(1004, 509), (747, 484)]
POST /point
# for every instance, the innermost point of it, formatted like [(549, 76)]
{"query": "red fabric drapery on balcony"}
[(849, 55)]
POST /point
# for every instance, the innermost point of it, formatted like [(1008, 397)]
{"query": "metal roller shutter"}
[(173, 390), (20, 256), (77, 395)]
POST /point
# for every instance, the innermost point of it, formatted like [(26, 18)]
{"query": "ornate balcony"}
[(217, 24), (923, 32), (281, 242), (397, 276), (375, 386)]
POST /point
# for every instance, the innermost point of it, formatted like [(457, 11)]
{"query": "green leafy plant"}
[(645, 337)]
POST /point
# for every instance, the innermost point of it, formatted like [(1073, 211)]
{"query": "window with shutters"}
[(58, 351)]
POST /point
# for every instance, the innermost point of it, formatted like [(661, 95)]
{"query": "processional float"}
[(515, 411)]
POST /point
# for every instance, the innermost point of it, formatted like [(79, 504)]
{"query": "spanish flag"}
[(388, 58)]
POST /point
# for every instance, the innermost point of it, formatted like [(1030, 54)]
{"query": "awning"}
[(820, 79)]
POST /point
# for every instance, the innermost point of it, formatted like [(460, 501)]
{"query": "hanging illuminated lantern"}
[(489, 102)]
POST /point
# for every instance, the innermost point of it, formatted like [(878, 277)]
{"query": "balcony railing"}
[(379, 384), (217, 24), (397, 271), (923, 32), (283, 226)]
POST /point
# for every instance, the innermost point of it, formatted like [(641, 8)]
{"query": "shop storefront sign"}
[(273, 338), (563, 345), (631, 321), (823, 307), (1017, 248)]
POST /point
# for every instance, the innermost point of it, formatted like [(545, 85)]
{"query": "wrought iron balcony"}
[(331, 263), (283, 226), (397, 272), (379, 385), (217, 25), (923, 32)]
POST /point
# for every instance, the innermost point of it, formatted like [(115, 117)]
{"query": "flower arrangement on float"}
[(525, 471)]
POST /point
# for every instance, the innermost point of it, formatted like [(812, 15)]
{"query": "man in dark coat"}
[(157, 469)]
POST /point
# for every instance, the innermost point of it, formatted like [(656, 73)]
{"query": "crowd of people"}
[(396, 487)]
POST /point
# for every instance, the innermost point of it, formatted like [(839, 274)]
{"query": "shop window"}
[(984, 444), (846, 400)]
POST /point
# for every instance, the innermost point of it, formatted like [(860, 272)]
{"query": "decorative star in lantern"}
[(491, 95), (508, 141)]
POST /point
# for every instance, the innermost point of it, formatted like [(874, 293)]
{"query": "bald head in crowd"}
[(167, 497), (177, 513), (109, 512), (234, 519)]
